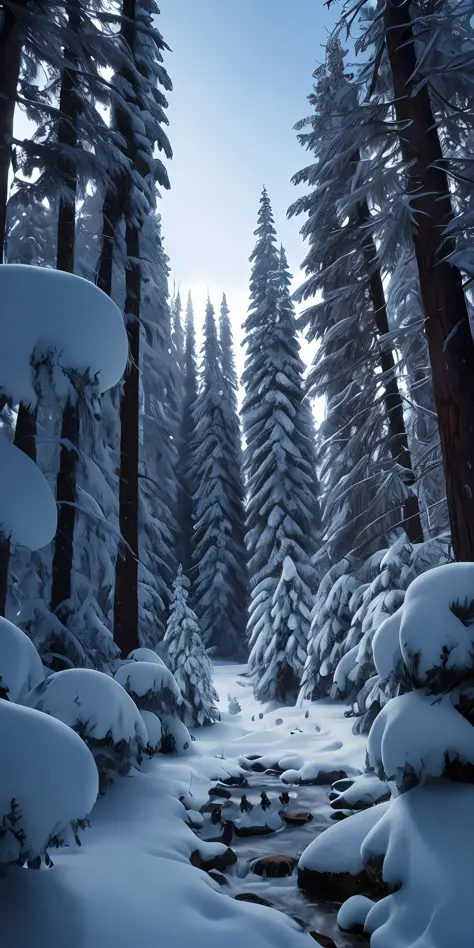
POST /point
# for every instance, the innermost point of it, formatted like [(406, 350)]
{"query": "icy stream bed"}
[(283, 893)]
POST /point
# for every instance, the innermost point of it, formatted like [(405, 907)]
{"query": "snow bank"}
[(437, 628), (352, 915), (425, 841), (20, 665), (337, 849), (28, 513), (417, 738), (100, 711), (363, 792), (50, 310), (49, 773)]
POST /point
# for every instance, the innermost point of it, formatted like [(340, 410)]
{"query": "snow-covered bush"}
[(187, 658), (100, 711), (151, 686), (20, 664), (28, 514), (145, 655), (48, 781)]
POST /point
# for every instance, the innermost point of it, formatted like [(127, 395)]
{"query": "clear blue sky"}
[(241, 72)]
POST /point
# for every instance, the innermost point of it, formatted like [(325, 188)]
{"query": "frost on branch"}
[(98, 709), (48, 780)]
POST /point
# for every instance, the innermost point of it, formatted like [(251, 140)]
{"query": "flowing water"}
[(283, 893)]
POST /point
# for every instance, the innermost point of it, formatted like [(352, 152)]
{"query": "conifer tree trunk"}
[(398, 440), (449, 336), (126, 570), (66, 478), (10, 58)]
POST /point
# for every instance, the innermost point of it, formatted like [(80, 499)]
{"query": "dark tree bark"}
[(126, 570), (66, 479), (398, 440), (66, 498), (449, 335), (116, 208), (10, 58)]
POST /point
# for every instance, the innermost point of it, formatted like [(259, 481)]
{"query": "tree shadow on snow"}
[(36, 910)]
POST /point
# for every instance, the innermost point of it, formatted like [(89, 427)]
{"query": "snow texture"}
[(28, 514), (365, 791), (153, 729), (152, 686), (20, 665), (49, 773), (49, 311), (418, 738), (145, 655), (386, 647), (425, 841)]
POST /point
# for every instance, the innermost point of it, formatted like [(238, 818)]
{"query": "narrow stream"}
[(283, 893)]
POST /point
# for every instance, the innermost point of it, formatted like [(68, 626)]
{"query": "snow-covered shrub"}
[(20, 664), (99, 710), (176, 738), (28, 514), (151, 686), (437, 627), (154, 732), (145, 655), (187, 658), (48, 781)]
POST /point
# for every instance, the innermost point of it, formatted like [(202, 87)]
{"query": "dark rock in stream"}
[(226, 835), (251, 897), (220, 792), (274, 867), (325, 940), (235, 781), (220, 862), (257, 830), (296, 819), (334, 886), (325, 778), (218, 877)]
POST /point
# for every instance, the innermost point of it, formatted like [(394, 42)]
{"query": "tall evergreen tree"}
[(187, 658), (282, 509), (218, 555), (186, 474), (139, 119), (178, 333)]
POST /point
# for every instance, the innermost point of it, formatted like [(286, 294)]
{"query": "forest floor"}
[(131, 881)]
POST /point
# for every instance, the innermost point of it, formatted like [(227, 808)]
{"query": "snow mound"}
[(28, 514), (352, 915), (20, 665), (152, 686), (363, 792), (425, 841), (337, 850), (101, 712), (145, 655), (386, 649), (49, 774), (50, 310), (176, 737), (417, 738), (437, 628)]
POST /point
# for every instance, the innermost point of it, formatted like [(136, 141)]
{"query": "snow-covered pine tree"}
[(218, 554), (187, 658), (364, 453), (178, 333), (138, 117), (185, 469), (232, 447), (282, 508), (158, 442)]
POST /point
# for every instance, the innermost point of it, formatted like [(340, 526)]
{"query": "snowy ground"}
[(131, 881)]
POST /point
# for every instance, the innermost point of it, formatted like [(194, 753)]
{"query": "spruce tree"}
[(218, 554), (186, 475), (282, 508), (187, 658)]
